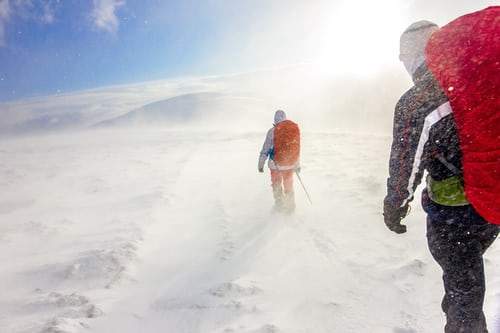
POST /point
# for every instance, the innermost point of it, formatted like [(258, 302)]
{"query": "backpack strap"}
[(448, 165)]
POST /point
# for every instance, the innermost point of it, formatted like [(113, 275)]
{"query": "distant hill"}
[(189, 109), (230, 102)]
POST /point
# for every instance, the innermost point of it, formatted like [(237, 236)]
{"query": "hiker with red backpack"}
[(448, 123), (282, 147)]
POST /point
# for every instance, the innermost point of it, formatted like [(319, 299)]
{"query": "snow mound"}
[(61, 313), (64, 325), (92, 269), (65, 305), (101, 267)]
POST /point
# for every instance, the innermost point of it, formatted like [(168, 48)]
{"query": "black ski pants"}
[(458, 238)]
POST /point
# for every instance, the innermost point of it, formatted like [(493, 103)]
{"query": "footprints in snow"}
[(228, 299), (323, 243), (240, 292), (226, 245), (416, 267), (403, 276)]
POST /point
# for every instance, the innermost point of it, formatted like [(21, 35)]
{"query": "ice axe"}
[(305, 190)]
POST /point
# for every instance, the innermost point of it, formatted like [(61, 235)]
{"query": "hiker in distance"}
[(282, 147), (448, 124)]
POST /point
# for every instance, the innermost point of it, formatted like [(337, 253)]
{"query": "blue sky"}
[(70, 45), (53, 46)]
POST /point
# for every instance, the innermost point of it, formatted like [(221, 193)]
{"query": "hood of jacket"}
[(279, 116)]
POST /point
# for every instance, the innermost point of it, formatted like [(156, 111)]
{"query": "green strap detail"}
[(447, 192)]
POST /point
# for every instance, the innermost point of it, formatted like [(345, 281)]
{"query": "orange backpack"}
[(286, 143)]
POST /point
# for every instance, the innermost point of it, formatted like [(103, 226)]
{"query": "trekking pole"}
[(305, 190)]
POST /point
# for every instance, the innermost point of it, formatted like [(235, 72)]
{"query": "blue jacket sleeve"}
[(267, 148)]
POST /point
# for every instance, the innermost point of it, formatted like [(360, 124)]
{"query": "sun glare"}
[(361, 37)]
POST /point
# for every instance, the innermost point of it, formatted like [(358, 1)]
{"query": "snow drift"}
[(152, 217), (158, 230)]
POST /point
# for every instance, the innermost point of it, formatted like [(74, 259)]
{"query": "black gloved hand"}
[(261, 170), (393, 216)]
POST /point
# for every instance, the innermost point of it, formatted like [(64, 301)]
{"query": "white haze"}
[(314, 98), (343, 37), (138, 208), (332, 64)]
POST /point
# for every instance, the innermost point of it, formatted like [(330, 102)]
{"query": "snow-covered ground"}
[(158, 230)]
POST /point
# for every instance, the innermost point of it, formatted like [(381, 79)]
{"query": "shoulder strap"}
[(448, 165)]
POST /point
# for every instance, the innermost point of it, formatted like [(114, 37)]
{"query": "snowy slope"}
[(318, 99), (194, 109), (172, 231)]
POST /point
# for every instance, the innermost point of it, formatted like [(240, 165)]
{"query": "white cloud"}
[(47, 13), (104, 14), (27, 10), (4, 17)]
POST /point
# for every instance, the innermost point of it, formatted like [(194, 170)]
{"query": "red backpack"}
[(286, 143), (464, 56)]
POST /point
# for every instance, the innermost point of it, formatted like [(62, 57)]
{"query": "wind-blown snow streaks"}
[(128, 231)]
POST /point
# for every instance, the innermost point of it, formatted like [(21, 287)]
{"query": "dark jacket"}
[(424, 137)]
